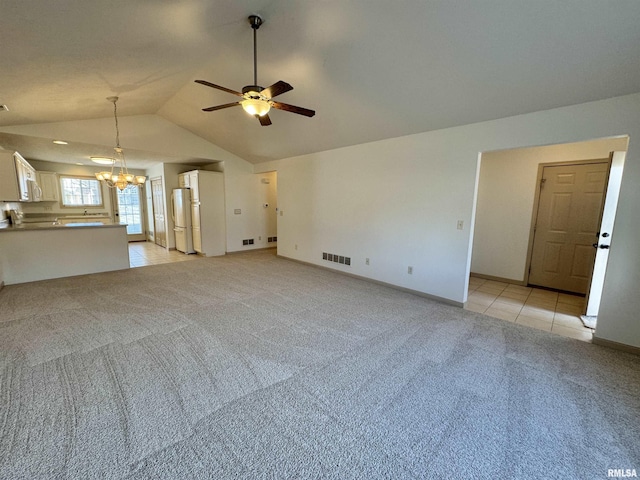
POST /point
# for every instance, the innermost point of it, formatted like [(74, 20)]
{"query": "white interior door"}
[(567, 222), (603, 240)]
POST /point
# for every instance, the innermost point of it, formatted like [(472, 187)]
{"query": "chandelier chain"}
[(115, 114)]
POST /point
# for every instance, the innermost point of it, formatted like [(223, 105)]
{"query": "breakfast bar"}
[(35, 252)]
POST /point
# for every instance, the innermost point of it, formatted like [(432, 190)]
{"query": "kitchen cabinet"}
[(195, 227), (48, 182), (184, 180), (190, 180), (17, 179), (208, 221), (194, 185)]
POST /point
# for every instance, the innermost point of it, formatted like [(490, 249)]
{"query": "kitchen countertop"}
[(41, 226)]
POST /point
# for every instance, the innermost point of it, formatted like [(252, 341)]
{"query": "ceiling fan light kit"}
[(256, 100), (255, 106)]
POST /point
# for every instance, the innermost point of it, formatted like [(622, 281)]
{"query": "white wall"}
[(506, 193), (397, 202)]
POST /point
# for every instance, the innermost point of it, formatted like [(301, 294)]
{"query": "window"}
[(80, 192)]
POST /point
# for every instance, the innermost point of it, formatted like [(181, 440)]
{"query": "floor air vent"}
[(332, 257)]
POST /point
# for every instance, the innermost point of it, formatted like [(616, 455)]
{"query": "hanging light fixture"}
[(123, 178), (254, 103)]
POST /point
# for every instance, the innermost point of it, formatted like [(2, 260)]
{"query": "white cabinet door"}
[(197, 239), (194, 186), (195, 215), (195, 228), (48, 182), (25, 174), (183, 180), (9, 190)]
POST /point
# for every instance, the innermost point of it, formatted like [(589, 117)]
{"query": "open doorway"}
[(268, 191), (507, 188)]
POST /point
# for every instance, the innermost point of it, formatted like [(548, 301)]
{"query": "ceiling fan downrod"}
[(255, 21)]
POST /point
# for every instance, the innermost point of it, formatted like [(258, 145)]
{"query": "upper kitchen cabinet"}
[(48, 182), (190, 180), (184, 180), (17, 179)]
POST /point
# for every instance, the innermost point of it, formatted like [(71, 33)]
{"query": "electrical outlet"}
[(410, 270), (460, 224), (296, 247), (366, 261), (259, 238)]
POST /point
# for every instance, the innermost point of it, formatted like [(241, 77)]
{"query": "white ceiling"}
[(371, 69)]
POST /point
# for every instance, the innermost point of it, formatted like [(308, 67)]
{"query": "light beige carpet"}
[(251, 366)]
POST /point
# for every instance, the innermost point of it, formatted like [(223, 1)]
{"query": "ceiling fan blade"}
[(265, 121), (293, 109), (220, 107), (276, 89), (213, 85)]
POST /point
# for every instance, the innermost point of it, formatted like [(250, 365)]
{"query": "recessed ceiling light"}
[(60, 142), (103, 160)]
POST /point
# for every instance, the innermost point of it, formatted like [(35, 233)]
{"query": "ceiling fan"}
[(256, 100)]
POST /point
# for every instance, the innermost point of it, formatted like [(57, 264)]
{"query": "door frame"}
[(536, 201)]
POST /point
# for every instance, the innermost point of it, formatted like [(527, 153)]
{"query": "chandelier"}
[(122, 179)]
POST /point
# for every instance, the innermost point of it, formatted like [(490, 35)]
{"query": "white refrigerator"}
[(181, 215)]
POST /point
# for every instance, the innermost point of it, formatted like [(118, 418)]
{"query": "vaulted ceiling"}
[(371, 69)]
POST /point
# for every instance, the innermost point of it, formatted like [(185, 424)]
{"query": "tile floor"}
[(534, 307), (142, 254)]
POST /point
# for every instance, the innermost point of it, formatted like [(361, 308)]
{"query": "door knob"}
[(605, 234)]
